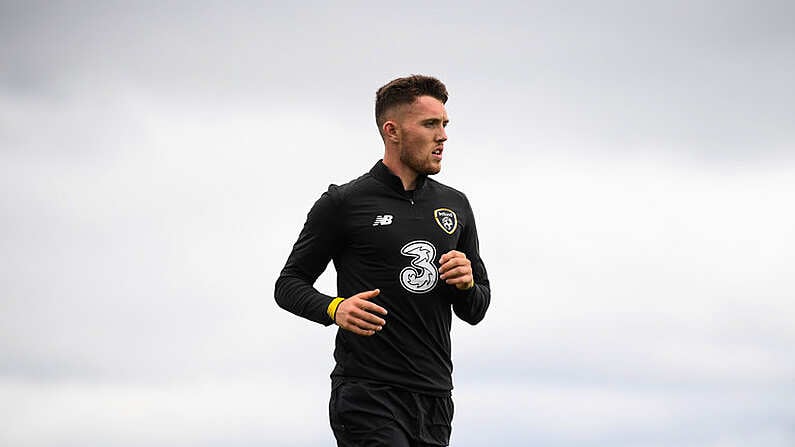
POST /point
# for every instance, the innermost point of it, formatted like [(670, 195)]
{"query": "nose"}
[(442, 137)]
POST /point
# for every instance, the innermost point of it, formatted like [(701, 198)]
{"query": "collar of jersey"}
[(383, 174)]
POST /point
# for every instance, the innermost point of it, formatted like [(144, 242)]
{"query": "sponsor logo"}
[(446, 219), (386, 219), (421, 275)]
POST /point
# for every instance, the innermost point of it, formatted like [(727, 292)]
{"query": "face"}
[(421, 128)]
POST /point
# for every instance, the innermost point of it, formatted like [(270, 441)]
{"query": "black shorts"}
[(366, 415)]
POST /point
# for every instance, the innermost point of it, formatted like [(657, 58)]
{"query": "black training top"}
[(382, 237)]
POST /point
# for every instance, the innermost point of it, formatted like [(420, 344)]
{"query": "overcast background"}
[(631, 166)]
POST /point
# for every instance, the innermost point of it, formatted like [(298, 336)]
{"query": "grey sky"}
[(630, 165), (712, 76)]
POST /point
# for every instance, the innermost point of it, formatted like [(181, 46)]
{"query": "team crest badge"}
[(446, 219)]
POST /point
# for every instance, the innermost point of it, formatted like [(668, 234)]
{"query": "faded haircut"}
[(406, 90)]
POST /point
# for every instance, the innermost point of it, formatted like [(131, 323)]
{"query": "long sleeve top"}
[(380, 236)]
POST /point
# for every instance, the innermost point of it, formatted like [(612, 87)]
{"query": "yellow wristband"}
[(332, 308), (468, 286)]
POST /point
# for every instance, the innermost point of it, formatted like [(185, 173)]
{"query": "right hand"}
[(358, 315)]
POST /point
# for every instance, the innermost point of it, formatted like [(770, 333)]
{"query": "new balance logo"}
[(386, 219)]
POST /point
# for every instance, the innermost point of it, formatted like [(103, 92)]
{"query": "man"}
[(406, 253)]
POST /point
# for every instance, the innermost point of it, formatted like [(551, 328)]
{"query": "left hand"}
[(456, 270)]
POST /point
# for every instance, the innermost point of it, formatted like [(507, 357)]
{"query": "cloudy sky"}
[(631, 166)]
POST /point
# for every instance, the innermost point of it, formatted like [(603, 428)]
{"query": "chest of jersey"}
[(401, 240)]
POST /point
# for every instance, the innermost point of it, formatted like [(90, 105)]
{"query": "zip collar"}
[(382, 173)]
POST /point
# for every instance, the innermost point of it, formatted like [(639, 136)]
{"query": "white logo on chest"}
[(386, 219), (421, 275)]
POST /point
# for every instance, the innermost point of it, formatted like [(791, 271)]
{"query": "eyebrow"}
[(435, 120)]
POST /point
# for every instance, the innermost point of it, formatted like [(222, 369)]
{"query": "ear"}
[(391, 132)]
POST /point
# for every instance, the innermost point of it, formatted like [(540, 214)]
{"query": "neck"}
[(407, 175)]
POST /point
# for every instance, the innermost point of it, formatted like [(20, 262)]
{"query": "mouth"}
[(438, 153)]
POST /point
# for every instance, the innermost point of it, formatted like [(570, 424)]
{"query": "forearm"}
[(296, 295), (471, 305)]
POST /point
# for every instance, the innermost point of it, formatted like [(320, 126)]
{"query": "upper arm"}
[(319, 240)]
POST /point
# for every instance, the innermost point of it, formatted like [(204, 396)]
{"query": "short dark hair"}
[(405, 91)]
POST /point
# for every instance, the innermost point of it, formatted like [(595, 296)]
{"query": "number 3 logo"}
[(421, 275)]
